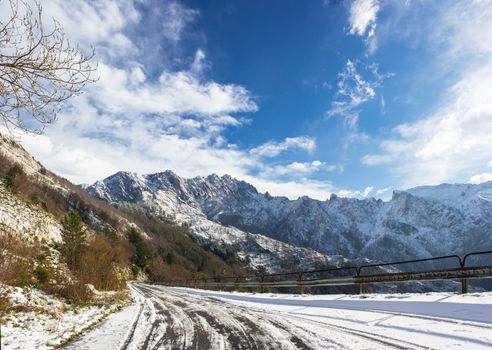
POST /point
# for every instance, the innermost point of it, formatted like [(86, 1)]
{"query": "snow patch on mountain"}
[(421, 222), (152, 194)]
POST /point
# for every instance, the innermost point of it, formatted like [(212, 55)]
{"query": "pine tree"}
[(74, 239), (142, 251)]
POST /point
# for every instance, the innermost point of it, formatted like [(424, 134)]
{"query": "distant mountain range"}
[(420, 222)]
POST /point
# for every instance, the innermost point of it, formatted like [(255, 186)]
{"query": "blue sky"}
[(298, 98)]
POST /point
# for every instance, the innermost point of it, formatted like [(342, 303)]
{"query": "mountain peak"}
[(123, 174), (412, 221)]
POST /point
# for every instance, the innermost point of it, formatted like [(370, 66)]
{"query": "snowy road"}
[(180, 318)]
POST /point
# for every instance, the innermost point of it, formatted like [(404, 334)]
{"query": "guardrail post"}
[(360, 288), (464, 285), (262, 289), (300, 287)]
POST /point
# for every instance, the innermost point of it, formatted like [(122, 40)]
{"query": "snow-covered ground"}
[(171, 318), (40, 321)]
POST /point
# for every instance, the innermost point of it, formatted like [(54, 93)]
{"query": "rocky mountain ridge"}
[(420, 222), (171, 198)]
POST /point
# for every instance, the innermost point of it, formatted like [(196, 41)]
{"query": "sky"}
[(356, 98)]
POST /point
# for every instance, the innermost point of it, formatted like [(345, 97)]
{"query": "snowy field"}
[(181, 318)]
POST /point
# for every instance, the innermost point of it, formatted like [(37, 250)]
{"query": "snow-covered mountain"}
[(421, 222), (171, 198)]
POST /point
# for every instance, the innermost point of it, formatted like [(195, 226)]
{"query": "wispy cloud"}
[(376, 159), (274, 148), (299, 169), (355, 90), (175, 18), (102, 24)]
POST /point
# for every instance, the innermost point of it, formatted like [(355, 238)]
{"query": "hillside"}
[(34, 201)]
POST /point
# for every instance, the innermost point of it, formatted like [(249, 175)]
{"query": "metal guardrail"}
[(460, 271)]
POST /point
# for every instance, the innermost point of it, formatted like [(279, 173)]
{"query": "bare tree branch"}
[(38, 70)]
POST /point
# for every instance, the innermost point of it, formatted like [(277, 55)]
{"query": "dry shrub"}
[(103, 263), (18, 268), (4, 305), (158, 271), (16, 260), (73, 291)]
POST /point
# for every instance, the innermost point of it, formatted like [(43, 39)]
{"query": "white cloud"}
[(363, 16), (454, 141), (133, 120), (198, 64), (306, 167), (479, 178), (129, 120), (463, 32), (382, 191), (316, 189), (357, 194), (273, 148), (363, 20), (174, 92), (352, 85), (98, 23)]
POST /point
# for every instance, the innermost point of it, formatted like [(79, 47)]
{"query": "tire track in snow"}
[(185, 321), (381, 340), (239, 331), (173, 318), (378, 338), (133, 328)]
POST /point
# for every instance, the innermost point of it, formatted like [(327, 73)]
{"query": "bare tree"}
[(39, 69)]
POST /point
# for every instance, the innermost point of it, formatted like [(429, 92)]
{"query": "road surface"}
[(180, 318)]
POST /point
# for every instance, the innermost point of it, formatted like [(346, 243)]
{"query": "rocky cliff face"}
[(17, 217), (420, 222), (28, 222)]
